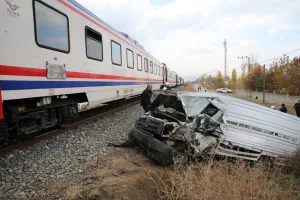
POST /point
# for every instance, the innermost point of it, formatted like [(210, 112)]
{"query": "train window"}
[(130, 59), (146, 65), (159, 70), (116, 55), (93, 42), (139, 62), (151, 67), (51, 28), (155, 68)]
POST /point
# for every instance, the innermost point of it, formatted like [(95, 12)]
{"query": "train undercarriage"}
[(28, 117)]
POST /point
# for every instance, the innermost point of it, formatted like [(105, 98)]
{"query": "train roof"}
[(125, 35), (135, 42)]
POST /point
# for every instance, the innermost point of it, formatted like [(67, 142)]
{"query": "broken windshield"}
[(194, 105)]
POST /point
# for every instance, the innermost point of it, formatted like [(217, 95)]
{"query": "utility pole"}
[(249, 67), (243, 68), (264, 84), (243, 62), (225, 62)]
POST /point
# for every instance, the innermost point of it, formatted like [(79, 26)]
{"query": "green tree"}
[(270, 79), (220, 80), (240, 84), (256, 78), (233, 78), (293, 76)]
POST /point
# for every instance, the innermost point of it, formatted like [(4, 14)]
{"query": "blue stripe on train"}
[(26, 85)]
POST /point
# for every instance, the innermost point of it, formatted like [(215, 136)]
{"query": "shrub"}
[(224, 180)]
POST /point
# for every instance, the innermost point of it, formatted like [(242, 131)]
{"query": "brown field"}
[(226, 181), (190, 88)]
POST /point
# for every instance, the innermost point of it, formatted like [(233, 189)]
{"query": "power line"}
[(279, 56)]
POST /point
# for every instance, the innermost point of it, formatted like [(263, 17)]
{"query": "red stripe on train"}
[(1, 107), (24, 71)]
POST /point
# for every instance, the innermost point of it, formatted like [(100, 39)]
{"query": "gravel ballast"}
[(23, 173)]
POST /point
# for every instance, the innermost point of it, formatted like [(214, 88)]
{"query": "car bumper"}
[(154, 148)]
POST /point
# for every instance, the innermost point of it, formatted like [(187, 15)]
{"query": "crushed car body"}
[(192, 124)]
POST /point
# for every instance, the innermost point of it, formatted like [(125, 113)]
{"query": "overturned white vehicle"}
[(185, 124)]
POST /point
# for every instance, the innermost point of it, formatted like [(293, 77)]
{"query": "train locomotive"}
[(58, 59)]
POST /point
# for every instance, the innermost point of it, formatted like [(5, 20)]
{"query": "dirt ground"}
[(190, 88), (124, 175)]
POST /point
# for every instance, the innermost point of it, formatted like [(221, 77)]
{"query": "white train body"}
[(170, 77), (25, 61), (53, 49)]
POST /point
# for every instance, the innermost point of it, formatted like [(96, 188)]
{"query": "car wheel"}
[(130, 134), (227, 91)]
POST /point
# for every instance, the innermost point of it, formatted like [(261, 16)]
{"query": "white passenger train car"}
[(169, 76), (172, 77), (57, 59)]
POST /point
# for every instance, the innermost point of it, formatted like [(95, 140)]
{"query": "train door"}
[(165, 75)]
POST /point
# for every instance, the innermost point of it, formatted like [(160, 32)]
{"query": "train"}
[(59, 59)]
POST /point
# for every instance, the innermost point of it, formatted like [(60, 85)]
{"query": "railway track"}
[(89, 117)]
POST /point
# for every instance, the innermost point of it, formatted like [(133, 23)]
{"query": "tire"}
[(130, 134)]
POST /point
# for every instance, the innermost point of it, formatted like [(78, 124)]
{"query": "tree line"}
[(281, 77)]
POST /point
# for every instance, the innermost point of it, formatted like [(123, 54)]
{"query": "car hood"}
[(192, 103)]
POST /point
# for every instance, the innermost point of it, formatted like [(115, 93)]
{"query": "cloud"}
[(188, 34), (284, 28)]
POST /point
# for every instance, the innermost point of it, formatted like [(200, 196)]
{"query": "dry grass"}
[(190, 88), (224, 180), (293, 165)]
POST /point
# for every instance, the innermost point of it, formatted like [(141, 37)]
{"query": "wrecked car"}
[(192, 124)]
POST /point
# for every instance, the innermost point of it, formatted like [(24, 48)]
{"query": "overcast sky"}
[(188, 35)]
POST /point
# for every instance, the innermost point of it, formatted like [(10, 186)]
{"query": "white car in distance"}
[(224, 90)]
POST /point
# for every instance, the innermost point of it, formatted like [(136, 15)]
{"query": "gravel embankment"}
[(23, 173)]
